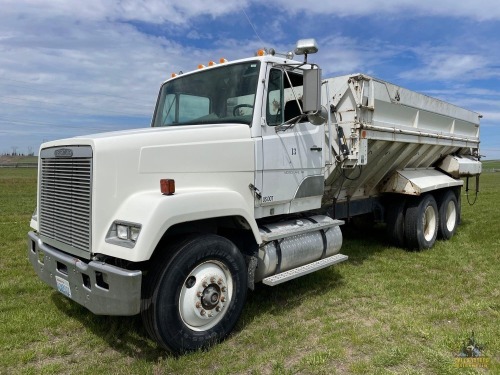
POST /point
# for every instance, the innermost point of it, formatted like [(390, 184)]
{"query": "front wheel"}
[(421, 222), (195, 298)]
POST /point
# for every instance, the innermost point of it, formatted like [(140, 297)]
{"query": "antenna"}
[(254, 30)]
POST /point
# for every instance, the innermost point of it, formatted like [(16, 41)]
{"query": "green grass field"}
[(488, 165), (384, 311)]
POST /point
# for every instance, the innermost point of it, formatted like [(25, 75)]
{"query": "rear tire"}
[(395, 221), (194, 298), (449, 214), (421, 223)]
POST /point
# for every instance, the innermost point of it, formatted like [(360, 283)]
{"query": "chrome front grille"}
[(66, 198)]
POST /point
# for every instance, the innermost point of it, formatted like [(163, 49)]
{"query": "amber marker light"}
[(211, 63), (201, 66), (167, 186), (222, 60), (261, 52)]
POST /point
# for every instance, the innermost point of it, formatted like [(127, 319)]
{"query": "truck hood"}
[(195, 148)]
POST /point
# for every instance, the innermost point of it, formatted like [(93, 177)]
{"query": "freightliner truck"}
[(246, 174)]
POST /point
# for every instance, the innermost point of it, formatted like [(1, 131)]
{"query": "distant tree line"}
[(16, 153)]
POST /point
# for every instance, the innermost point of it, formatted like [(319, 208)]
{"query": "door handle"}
[(315, 148)]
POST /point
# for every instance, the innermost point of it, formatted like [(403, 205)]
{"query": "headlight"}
[(134, 233), (123, 233)]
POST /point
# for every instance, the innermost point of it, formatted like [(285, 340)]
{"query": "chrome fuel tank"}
[(295, 250)]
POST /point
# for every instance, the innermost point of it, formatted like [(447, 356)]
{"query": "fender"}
[(418, 181), (156, 213)]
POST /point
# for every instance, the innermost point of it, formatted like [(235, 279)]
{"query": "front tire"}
[(421, 223), (194, 298)]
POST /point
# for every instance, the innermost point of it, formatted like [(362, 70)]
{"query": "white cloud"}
[(150, 11), (181, 11), (450, 66), (478, 9), (90, 58), (340, 54), (491, 117)]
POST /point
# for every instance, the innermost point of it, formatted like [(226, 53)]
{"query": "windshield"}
[(217, 95)]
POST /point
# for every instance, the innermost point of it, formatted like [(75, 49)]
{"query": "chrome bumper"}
[(102, 288)]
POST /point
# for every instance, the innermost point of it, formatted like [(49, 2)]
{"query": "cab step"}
[(304, 270)]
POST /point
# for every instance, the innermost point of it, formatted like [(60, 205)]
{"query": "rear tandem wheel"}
[(396, 220), (449, 214), (421, 222)]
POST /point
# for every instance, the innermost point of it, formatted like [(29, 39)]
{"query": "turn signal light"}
[(167, 186)]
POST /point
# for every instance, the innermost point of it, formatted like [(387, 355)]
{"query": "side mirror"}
[(318, 118), (312, 91)]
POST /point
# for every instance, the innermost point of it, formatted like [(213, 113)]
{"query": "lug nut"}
[(205, 284), (198, 305), (210, 315), (219, 281), (223, 299), (218, 308), (199, 294), (223, 288), (212, 279), (203, 312)]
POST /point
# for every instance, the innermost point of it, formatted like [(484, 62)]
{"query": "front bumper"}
[(102, 288)]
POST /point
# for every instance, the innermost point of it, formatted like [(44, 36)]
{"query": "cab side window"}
[(284, 96)]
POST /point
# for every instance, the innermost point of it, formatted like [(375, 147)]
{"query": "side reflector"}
[(167, 186)]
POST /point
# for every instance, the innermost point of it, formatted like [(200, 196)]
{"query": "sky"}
[(70, 68)]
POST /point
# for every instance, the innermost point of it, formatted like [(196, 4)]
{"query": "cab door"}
[(292, 147)]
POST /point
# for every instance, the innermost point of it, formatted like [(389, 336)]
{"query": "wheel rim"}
[(430, 221), (205, 295), (451, 216)]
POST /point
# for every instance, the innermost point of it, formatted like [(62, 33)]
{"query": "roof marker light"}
[(211, 63), (201, 66), (222, 60), (261, 52)]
